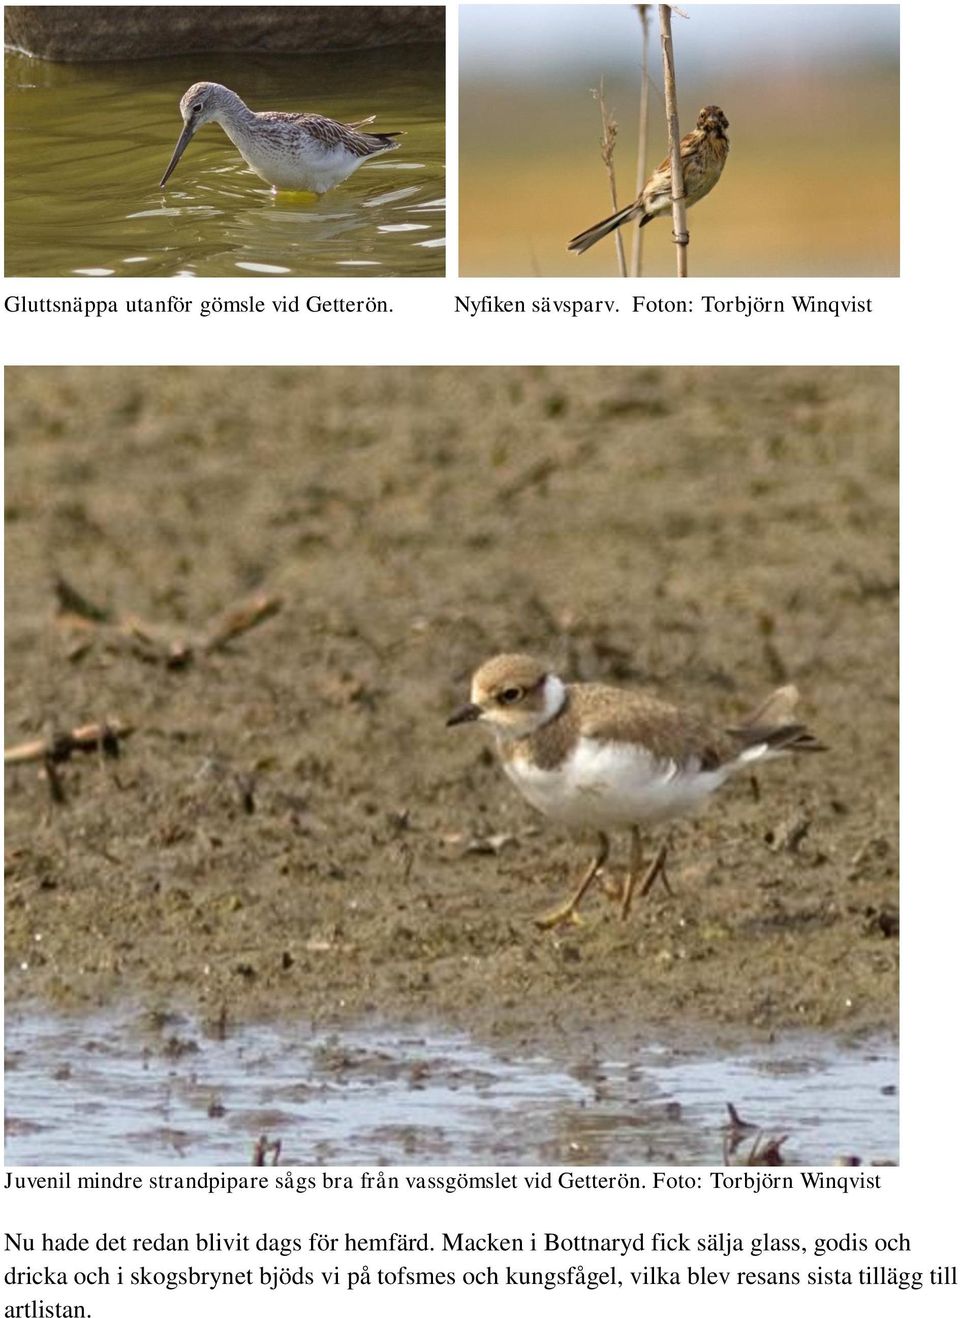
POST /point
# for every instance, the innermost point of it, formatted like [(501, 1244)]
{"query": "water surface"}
[(112, 1090), (87, 144)]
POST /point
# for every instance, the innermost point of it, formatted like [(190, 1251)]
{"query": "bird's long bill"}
[(188, 132), (468, 714)]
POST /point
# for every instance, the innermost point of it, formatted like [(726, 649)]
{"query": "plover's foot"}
[(565, 914)]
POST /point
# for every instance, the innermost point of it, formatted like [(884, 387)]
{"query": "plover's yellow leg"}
[(568, 911), (657, 869)]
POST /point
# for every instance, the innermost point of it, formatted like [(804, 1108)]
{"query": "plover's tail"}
[(772, 730)]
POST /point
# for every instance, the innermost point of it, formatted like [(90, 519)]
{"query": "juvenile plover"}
[(598, 758)]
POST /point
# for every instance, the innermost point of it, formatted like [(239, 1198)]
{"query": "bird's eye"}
[(197, 107), (510, 696)]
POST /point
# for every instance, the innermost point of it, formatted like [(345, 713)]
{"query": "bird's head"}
[(513, 694), (203, 103), (712, 119)]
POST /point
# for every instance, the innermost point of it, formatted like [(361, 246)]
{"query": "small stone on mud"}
[(884, 922)]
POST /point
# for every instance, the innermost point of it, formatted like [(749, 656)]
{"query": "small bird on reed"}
[(703, 154)]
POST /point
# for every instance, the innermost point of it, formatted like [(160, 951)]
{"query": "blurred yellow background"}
[(811, 186)]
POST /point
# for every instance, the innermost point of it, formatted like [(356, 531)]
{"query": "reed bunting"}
[(703, 154)]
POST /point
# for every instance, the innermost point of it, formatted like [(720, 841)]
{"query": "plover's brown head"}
[(513, 694)]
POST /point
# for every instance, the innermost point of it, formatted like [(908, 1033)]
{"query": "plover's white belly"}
[(607, 784)]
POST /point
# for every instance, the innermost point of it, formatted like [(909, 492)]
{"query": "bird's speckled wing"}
[(333, 135), (688, 148)]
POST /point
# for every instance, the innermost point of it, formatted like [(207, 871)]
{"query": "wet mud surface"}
[(291, 832)]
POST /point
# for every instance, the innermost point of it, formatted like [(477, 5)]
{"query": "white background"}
[(913, 326)]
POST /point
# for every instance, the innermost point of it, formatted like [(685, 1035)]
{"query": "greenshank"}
[(294, 152)]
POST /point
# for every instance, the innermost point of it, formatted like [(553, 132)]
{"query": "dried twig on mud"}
[(737, 1129), (262, 1148), (85, 622), (536, 474), (765, 1150), (55, 749), (70, 601), (240, 618), (608, 142), (59, 746)]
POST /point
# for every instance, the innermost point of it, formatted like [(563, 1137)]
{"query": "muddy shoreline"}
[(291, 831)]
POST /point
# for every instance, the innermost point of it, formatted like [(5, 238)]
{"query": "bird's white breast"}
[(294, 162), (605, 784)]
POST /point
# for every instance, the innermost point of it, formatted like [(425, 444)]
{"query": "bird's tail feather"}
[(372, 144), (598, 231), (772, 727)]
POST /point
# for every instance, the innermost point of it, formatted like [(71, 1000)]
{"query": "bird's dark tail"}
[(373, 144), (773, 727), (598, 231)]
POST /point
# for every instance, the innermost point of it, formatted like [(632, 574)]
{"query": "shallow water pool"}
[(87, 144), (112, 1090)]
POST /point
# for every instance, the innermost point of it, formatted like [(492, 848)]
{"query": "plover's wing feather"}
[(782, 737), (669, 734)]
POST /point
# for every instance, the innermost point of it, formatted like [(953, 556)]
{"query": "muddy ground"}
[(291, 830)]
